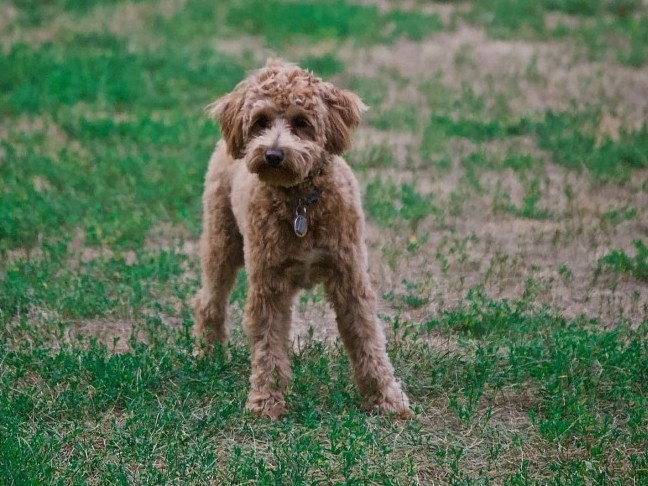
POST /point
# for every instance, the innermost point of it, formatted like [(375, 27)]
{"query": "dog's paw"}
[(267, 403), (219, 351), (393, 401), (209, 327)]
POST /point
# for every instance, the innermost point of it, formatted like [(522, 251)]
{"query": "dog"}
[(281, 200)]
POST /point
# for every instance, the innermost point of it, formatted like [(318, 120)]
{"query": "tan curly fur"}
[(249, 206)]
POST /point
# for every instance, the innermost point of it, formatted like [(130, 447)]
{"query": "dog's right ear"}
[(228, 111)]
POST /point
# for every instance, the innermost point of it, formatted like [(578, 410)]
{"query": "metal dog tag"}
[(300, 224)]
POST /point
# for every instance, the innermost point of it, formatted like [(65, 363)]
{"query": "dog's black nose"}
[(274, 157)]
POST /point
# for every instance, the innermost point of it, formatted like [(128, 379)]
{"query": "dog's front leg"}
[(267, 324), (354, 302), (221, 248)]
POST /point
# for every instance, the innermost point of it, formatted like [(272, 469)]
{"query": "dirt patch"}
[(8, 14), (401, 145), (313, 320), (119, 334), (114, 334), (125, 19), (550, 261), (532, 76), (504, 425), (245, 45), (444, 11), (166, 236)]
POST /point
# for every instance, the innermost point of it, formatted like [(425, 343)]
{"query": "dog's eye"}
[(300, 122), (261, 123)]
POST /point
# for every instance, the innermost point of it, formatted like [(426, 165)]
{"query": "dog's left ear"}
[(344, 109)]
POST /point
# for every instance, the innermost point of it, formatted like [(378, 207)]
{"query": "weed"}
[(617, 216), (529, 208), (387, 203), (572, 142), (565, 273), (413, 298), (621, 262)]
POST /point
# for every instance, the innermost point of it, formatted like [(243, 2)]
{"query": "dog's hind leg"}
[(221, 248)]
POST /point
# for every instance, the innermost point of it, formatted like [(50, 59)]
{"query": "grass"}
[(506, 237), (107, 109), (619, 261), (570, 137), (388, 203), (281, 22), (88, 414), (100, 287), (572, 143), (403, 118), (612, 29)]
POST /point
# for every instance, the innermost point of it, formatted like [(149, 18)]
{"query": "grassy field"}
[(504, 167)]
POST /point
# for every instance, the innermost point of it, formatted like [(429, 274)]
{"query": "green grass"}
[(325, 66), (400, 118), (617, 216), (31, 12), (374, 157), (98, 68), (620, 262), (103, 286), (91, 187), (103, 148), (613, 29), (570, 138), (373, 91), (280, 22), (529, 207), (157, 414), (388, 203), (110, 145)]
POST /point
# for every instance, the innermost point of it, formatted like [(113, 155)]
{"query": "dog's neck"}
[(307, 191), (301, 196)]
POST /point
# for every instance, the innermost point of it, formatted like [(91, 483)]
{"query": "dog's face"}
[(282, 120)]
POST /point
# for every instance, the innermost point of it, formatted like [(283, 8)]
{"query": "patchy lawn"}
[(504, 164)]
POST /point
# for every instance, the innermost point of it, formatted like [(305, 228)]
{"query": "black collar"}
[(305, 193)]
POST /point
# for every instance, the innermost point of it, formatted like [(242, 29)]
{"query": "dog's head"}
[(282, 120)]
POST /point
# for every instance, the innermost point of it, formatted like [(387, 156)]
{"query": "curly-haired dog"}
[(280, 199)]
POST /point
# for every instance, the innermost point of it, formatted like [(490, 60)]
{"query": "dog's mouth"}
[(287, 173), (276, 176)]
